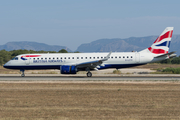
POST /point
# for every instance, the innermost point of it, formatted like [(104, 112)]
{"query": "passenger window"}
[(89, 57), (101, 57), (127, 56), (38, 58), (123, 57), (41, 58), (86, 57), (34, 58), (68, 57), (116, 57), (45, 58), (94, 57), (81, 57), (64, 57), (61, 58), (97, 57), (131, 57), (72, 57), (111, 57), (53, 58), (77, 57), (49, 58), (119, 56), (57, 58)]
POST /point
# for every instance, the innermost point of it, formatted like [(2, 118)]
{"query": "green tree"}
[(52, 51), (167, 61), (1, 61), (18, 52), (62, 51), (176, 60), (76, 52)]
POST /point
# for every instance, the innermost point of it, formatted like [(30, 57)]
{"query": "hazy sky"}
[(74, 22)]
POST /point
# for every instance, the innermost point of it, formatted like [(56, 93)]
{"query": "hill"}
[(126, 45), (32, 46), (101, 45)]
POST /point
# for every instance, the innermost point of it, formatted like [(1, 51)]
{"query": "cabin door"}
[(137, 57), (28, 60)]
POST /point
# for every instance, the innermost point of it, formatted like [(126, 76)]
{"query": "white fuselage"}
[(55, 60)]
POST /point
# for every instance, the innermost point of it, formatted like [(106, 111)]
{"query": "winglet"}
[(107, 57)]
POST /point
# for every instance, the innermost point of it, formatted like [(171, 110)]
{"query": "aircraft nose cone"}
[(6, 65)]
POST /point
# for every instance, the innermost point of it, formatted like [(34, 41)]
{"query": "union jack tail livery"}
[(162, 43)]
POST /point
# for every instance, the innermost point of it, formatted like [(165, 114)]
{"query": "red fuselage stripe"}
[(32, 56)]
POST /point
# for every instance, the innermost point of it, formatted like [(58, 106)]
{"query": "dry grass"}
[(8, 71), (116, 72), (153, 66), (67, 101), (157, 65)]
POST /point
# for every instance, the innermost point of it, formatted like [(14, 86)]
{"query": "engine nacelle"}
[(66, 69)]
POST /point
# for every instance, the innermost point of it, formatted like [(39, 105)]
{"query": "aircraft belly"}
[(34, 67), (118, 66)]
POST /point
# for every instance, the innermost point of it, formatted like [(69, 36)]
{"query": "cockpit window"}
[(15, 58)]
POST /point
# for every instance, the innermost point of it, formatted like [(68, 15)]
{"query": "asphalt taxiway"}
[(95, 78)]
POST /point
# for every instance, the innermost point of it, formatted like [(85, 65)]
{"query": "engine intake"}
[(66, 69)]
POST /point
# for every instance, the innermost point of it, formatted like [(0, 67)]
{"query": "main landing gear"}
[(89, 74), (22, 73)]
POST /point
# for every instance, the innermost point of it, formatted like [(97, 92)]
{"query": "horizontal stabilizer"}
[(171, 54)]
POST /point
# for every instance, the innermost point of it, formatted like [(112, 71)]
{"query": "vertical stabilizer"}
[(162, 43)]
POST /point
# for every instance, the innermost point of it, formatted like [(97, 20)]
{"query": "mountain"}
[(126, 45), (32, 46), (101, 45)]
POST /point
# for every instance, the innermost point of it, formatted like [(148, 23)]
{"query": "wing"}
[(92, 64)]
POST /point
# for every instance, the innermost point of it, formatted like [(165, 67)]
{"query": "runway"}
[(80, 78)]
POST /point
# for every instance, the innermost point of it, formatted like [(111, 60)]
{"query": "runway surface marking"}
[(80, 78)]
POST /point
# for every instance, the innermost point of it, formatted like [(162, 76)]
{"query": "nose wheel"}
[(89, 74), (22, 73)]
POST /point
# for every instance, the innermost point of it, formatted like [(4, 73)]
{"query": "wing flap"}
[(93, 64)]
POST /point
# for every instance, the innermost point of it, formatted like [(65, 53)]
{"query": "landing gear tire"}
[(22, 71), (89, 74), (22, 75)]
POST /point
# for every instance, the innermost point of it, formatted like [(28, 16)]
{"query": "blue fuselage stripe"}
[(30, 67)]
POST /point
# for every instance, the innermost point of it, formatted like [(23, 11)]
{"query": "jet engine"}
[(67, 69)]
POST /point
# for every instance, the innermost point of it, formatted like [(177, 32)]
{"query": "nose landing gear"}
[(22, 73)]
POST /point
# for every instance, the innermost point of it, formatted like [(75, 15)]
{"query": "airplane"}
[(71, 63)]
